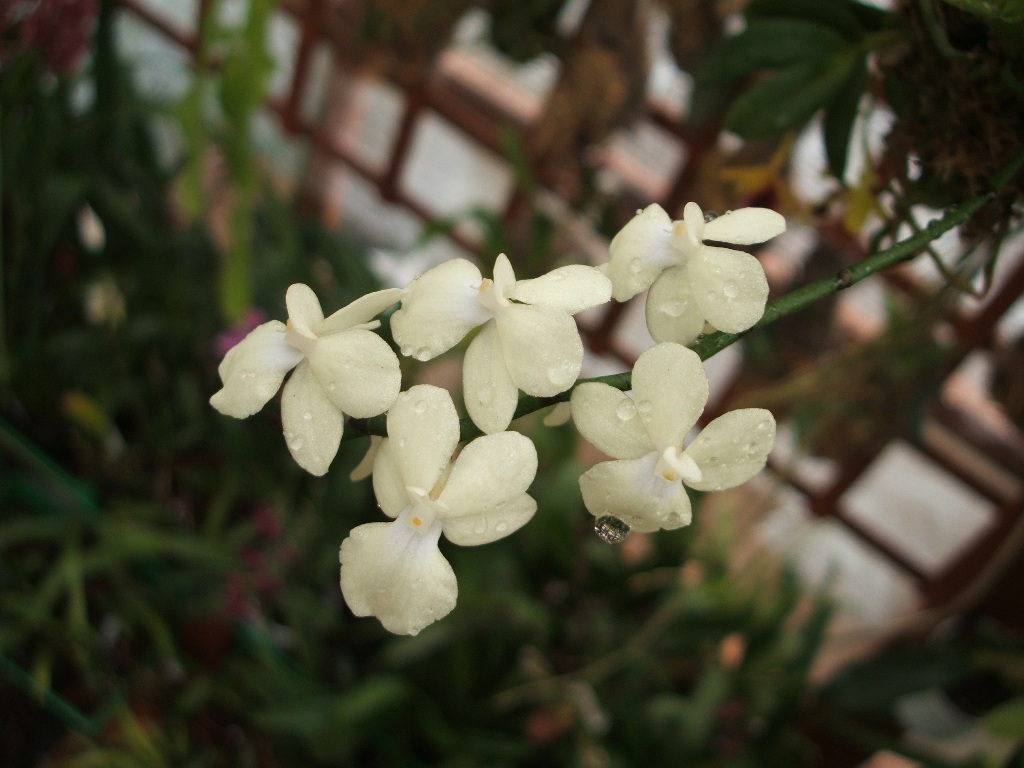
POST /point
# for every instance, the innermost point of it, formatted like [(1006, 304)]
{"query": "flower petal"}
[(361, 311), (542, 348), (388, 483), (730, 287), (732, 448), (359, 371), (490, 394), (570, 289), (504, 275), (364, 468), (312, 423), (396, 573), (672, 310), (490, 525), (640, 251), (423, 429), (439, 308), (304, 311), (631, 491), (670, 388), (609, 420), (253, 369), (490, 470), (745, 226)]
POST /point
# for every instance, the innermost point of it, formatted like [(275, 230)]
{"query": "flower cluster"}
[(527, 341)]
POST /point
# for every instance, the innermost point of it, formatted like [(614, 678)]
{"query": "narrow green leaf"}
[(770, 44), (834, 13), (789, 98), (840, 117), (1004, 10)]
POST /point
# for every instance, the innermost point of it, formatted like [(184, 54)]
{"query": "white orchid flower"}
[(395, 571), (529, 340), (643, 487), (692, 283), (340, 368)]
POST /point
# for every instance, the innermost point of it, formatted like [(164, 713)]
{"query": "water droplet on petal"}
[(422, 354), (420, 407), (480, 526), (636, 264), (730, 290), (611, 529), (561, 375), (407, 351), (296, 444), (331, 387), (307, 415), (625, 410), (501, 527), (644, 406)]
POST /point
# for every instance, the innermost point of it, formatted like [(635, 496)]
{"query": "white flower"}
[(692, 282), (644, 487), (341, 368), (394, 571), (529, 340)]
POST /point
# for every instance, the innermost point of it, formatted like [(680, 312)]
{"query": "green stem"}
[(781, 307)]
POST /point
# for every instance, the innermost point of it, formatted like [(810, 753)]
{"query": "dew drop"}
[(407, 351), (636, 264), (644, 406), (625, 410), (501, 527), (296, 444), (561, 375), (611, 529), (422, 354), (731, 290), (480, 526), (307, 415), (420, 407), (331, 387), (712, 460)]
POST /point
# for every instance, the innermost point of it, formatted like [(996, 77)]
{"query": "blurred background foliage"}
[(168, 577)]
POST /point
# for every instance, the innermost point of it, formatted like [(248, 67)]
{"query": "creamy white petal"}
[(439, 308), (304, 311), (253, 369), (504, 276), (388, 483), (608, 419), (423, 430), (693, 220), (639, 252), (745, 226), (570, 289), (490, 394), (631, 491), (670, 388), (312, 423), (672, 310), (542, 348), (559, 414), (732, 448), (396, 573), (364, 468), (362, 310), (730, 287), (490, 525), (490, 470), (358, 370)]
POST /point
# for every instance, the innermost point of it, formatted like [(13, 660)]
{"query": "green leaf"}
[(1007, 720), (1003, 10), (834, 13), (790, 98), (770, 44), (840, 117)]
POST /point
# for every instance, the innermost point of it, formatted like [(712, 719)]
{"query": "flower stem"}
[(792, 302)]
